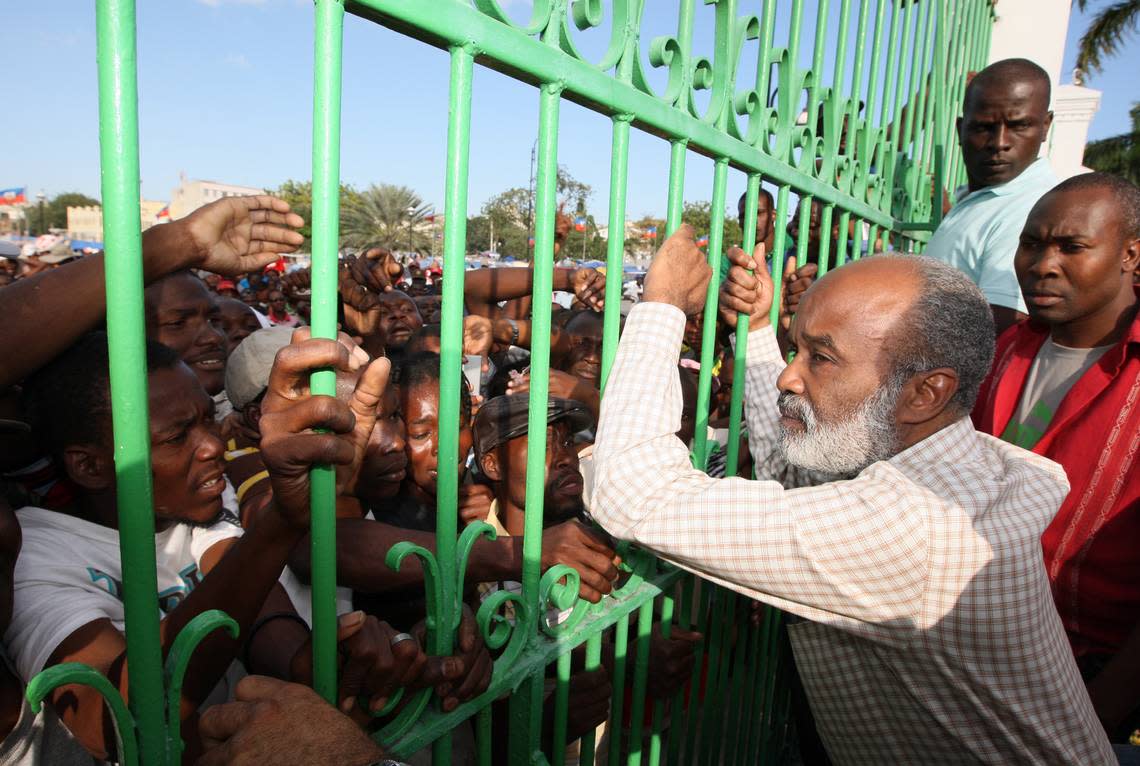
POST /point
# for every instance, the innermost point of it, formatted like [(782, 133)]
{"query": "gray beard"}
[(845, 447)]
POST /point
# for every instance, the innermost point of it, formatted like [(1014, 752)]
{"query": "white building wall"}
[(191, 195)]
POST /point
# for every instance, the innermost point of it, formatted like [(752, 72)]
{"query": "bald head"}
[(1005, 119), (921, 313), (1007, 75)]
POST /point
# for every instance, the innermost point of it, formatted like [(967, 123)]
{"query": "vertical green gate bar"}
[(126, 341), (328, 37), (864, 154)]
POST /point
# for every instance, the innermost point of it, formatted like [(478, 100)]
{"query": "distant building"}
[(12, 219), (191, 195), (85, 222)]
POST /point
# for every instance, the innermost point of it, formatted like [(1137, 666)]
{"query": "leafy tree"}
[(699, 216), (511, 212), (638, 242), (387, 215), (299, 195), (513, 237), (55, 211), (572, 194), (1119, 155), (1106, 32)]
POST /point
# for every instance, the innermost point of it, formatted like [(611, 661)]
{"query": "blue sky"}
[(225, 94)]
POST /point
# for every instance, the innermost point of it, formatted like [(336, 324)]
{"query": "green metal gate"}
[(871, 140)]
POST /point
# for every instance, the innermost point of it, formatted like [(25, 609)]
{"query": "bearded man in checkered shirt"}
[(929, 633)]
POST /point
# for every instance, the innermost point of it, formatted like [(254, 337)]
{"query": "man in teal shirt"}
[(1005, 118)]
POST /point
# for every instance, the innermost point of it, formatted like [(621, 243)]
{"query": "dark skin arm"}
[(484, 288), (47, 313), (1005, 317), (362, 543)]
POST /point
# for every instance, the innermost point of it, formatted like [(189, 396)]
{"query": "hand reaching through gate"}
[(748, 289), (290, 445), (282, 723), (679, 274), (574, 545), (475, 677), (374, 664), (671, 661), (587, 708), (235, 235)]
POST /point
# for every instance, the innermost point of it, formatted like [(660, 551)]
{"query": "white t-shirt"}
[(301, 592), (68, 575)]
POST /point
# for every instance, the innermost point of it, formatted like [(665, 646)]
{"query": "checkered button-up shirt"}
[(931, 635)]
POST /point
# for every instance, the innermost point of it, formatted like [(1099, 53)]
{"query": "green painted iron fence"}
[(864, 128)]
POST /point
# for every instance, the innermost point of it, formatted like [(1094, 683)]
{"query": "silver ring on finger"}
[(400, 637)]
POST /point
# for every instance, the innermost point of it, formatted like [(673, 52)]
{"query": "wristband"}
[(514, 331)]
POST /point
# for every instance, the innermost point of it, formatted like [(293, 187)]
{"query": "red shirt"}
[(1092, 547)]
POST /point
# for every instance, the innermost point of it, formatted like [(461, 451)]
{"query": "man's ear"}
[(1131, 255), (490, 466), (252, 414), (926, 395), (90, 467)]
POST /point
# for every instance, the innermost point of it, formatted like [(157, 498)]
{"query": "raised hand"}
[(477, 665), (235, 235), (795, 284), (679, 274), (671, 661), (360, 297), (474, 502), (589, 287), (574, 545), (375, 661), (748, 289), (478, 335), (290, 446)]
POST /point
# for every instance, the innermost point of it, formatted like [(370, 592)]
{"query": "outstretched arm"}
[(819, 552), (484, 288), (47, 313)]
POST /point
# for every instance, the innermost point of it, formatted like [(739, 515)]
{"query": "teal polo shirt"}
[(980, 234)]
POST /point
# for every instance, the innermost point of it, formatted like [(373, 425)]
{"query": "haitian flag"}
[(650, 233), (13, 196), (164, 213), (530, 241), (703, 241), (580, 223)]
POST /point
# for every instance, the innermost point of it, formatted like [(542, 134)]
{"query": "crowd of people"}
[(941, 489)]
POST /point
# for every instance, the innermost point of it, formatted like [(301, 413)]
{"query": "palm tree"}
[(1105, 33), (387, 215), (1119, 155)]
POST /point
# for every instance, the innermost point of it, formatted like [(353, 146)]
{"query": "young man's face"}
[(1002, 130), (399, 318), (182, 314), (765, 215), (563, 497), (385, 462), (186, 454), (277, 302), (1072, 262), (420, 405), (236, 321), (584, 360)]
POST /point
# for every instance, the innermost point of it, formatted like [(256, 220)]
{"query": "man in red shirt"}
[(1066, 385)]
